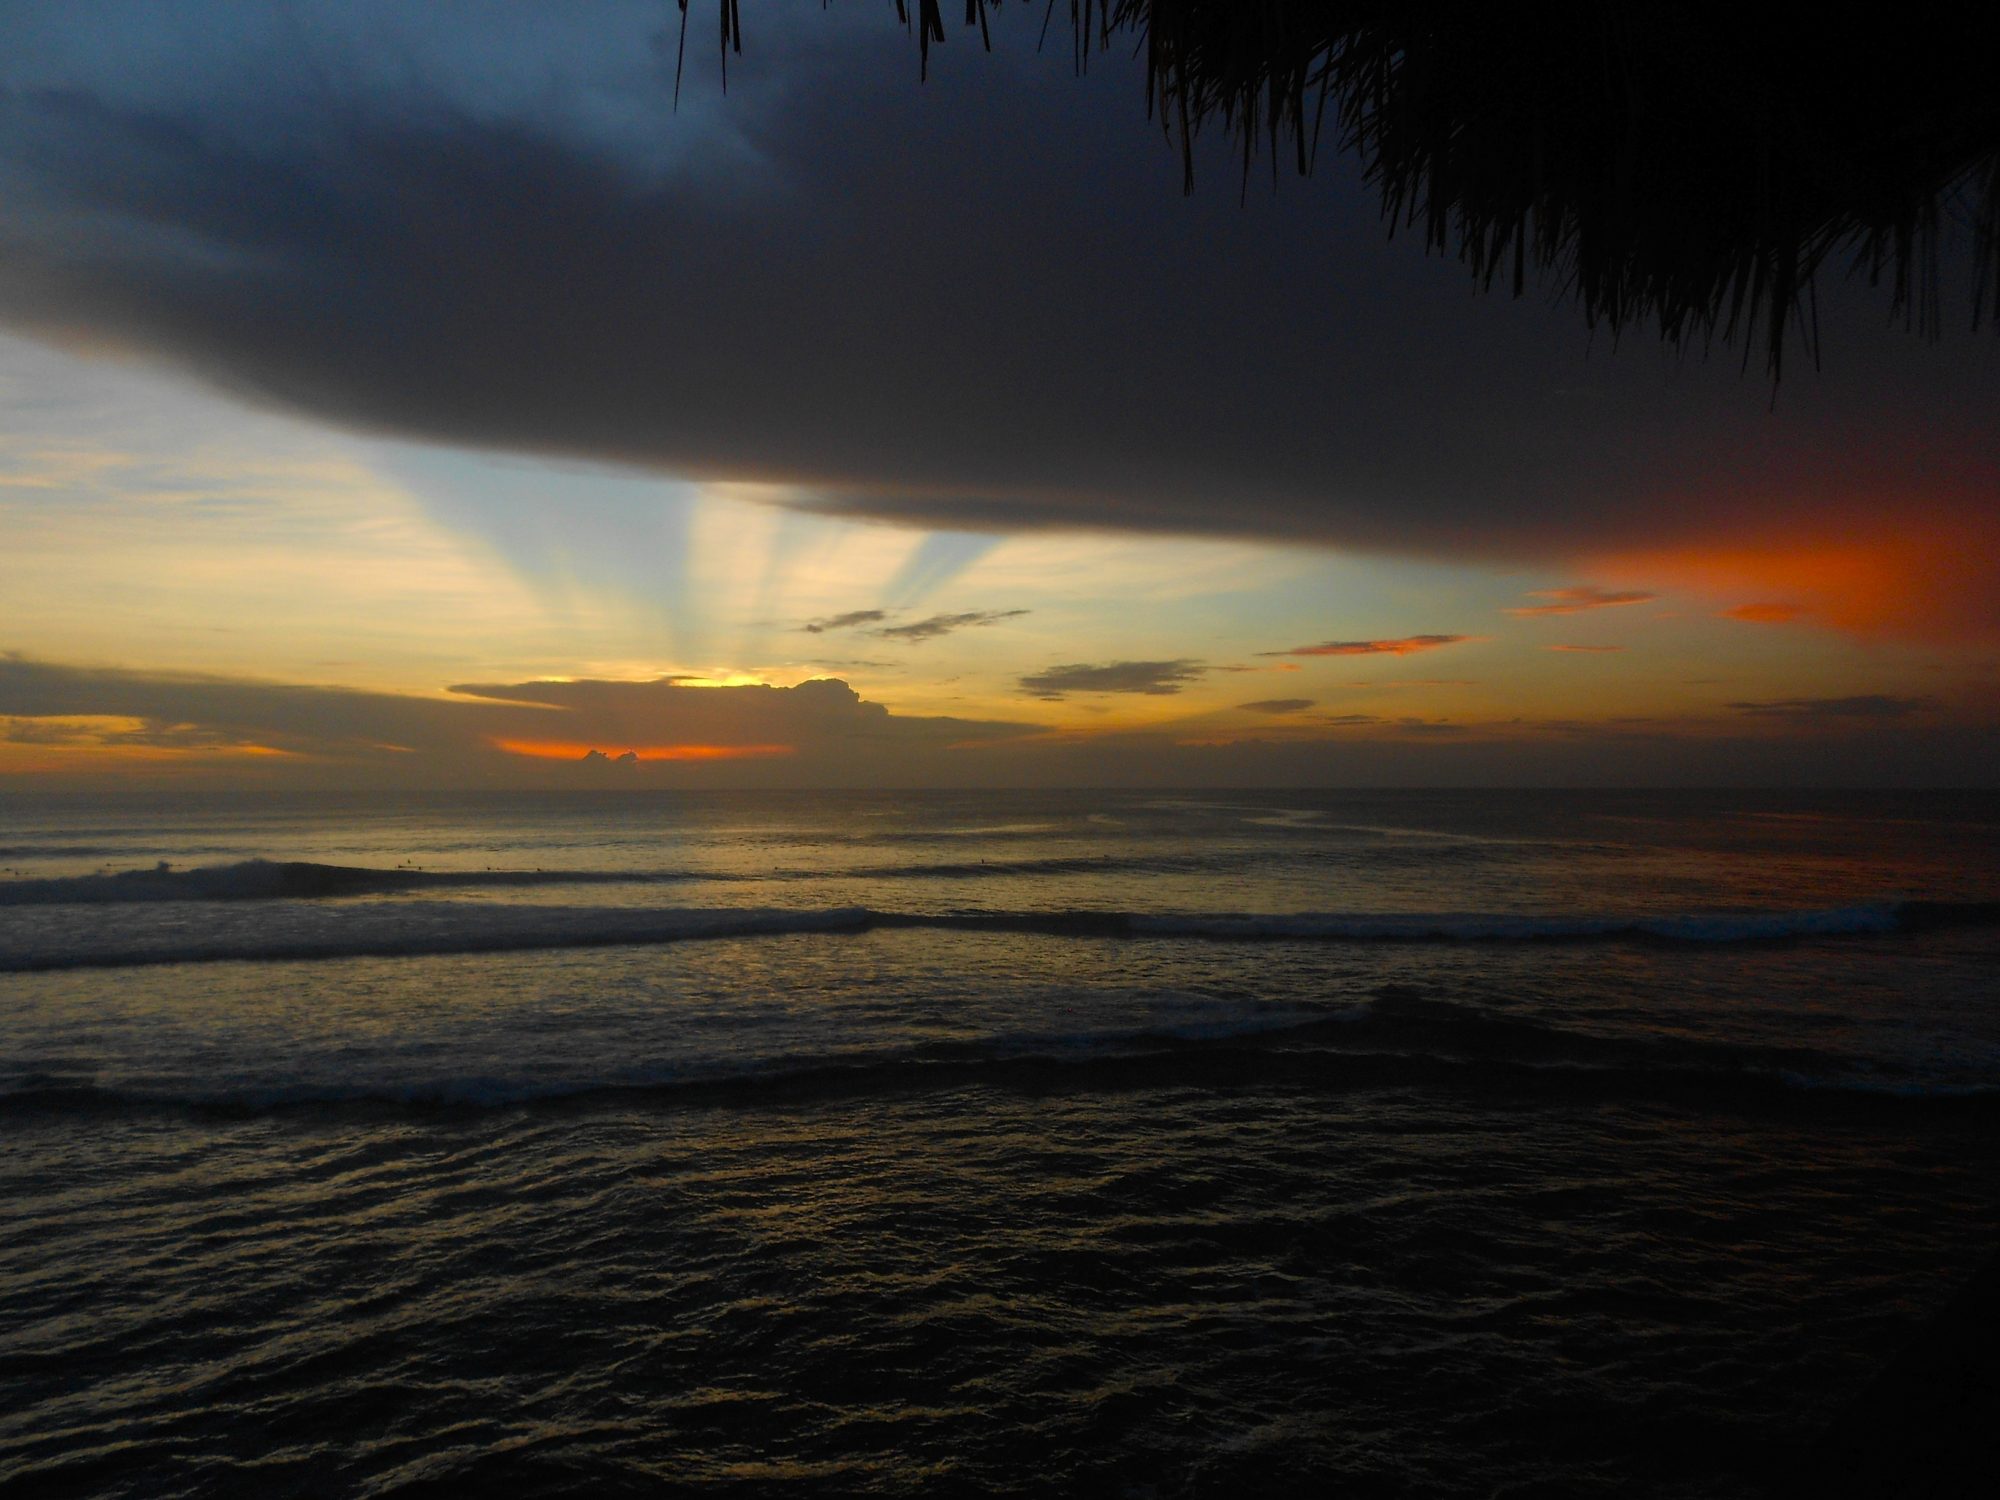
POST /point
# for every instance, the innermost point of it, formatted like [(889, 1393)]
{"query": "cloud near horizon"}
[(484, 732), (66, 725), (1854, 706)]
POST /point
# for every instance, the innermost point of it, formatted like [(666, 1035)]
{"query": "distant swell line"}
[(299, 880), (414, 932), (424, 928), (1336, 1051), (306, 880)]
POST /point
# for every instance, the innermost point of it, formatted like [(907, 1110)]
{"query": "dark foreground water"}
[(1361, 1144)]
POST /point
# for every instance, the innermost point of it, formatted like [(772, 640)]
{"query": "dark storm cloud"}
[(1857, 706), (1407, 645), (1155, 678), (937, 625), (1277, 705), (981, 303)]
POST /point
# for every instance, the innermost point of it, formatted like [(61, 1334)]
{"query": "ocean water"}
[(1011, 1143)]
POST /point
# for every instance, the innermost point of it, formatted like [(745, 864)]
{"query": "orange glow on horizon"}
[(1921, 582), (66, 757), (577, 751)]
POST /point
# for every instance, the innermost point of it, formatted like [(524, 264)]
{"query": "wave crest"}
[(305, 930), (296, 880)]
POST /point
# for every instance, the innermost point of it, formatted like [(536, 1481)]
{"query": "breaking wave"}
[(304, 929), (304, 880), (293, 880)]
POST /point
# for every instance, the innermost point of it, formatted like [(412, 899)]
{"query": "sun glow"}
[(576, 750)]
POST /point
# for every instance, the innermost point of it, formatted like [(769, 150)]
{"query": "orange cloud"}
[(114, 758), (1574, 601), (1401, 646), (575, 750), (1887, 566), (1762, 614)]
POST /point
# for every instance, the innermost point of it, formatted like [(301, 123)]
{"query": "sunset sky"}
[(410, 396)]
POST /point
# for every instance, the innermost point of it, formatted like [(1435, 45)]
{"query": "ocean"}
[(1106, 1143)]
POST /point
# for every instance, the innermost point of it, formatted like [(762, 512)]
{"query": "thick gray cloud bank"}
[(978, 303), (485, 731), (597, 734)]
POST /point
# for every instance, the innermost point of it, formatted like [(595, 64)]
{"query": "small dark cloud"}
[(1574, 601), (1277, 705), (937, 625), (1156, 678), (1858, 706), (844, 622), (1406, 645), (1619, 729), (27, 731), (1350, 719)]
